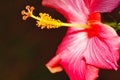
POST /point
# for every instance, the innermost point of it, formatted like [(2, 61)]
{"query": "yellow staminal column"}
[(46, 21)]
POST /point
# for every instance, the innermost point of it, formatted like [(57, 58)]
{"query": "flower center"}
[(94, 17)]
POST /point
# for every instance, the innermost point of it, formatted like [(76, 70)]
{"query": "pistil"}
[(46, 21)]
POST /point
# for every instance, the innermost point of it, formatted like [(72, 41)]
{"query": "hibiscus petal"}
[(92, 72), (102, 5), (71, 50), (54, 61), (73, 10), (100, 49), (106, 5), (103, 49)]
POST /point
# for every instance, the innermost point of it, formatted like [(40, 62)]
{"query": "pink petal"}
[(71, 54), (92, 72), (106, 5), (78, 11), (103, 47), (54, 61), (102, 5), (73, 10), (71, 50), (98, 47)]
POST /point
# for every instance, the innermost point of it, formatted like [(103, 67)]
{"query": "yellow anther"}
[(46, 21)]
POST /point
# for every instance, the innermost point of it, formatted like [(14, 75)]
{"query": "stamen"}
[(46, 21)]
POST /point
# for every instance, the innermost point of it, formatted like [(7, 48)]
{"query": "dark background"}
[(25, 48)]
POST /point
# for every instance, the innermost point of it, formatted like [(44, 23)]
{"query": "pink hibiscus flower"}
[(84, 50)]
